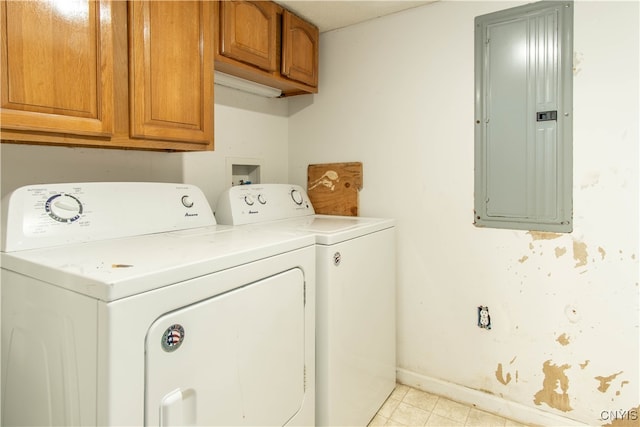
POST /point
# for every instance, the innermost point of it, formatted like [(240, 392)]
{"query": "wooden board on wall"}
[(333, 187)]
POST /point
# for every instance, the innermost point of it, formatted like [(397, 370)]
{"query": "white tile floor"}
[(408, 406)]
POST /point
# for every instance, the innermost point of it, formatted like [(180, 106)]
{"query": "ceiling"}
[(332, 14)]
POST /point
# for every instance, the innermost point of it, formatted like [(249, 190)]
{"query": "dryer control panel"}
[(255, 203), (38, 216)]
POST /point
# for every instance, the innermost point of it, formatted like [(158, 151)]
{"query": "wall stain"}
[(580, 253), (577, 61), (603, 253), (553, 376), (563, 339), (584, 365), (560, 252), (543, 235), (605, 382), (622, 384), (590, 179), (523, 259), (500, 377)]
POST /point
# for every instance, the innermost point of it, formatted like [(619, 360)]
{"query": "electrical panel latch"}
[(543, 116)]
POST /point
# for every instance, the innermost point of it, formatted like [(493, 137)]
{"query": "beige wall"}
[(397, 94)]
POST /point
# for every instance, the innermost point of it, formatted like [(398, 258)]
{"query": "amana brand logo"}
[(172, 338), (190, 214), (253, 212)]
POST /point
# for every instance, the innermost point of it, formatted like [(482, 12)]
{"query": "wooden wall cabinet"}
[(115, 74), (262, 42), (171, 70), (57, 67), (299, 49), (249, 32)]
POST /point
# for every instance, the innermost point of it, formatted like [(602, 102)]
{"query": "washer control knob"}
[(64, 207), (297, 197), (187, 202), (248, 199), (261, 199)]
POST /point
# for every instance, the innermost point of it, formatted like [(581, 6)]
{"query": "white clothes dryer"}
[(126, 304), (355, 283)]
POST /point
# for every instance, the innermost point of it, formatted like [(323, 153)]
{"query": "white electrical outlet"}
[(484, 319)]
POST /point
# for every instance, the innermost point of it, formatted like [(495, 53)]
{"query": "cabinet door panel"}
[(249, 32), (300, 49), (171, 70), (57, 67)]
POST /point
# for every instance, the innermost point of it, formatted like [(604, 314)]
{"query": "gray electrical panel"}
[(523, 117)]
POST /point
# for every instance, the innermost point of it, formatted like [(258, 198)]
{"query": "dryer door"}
[(234, 359)]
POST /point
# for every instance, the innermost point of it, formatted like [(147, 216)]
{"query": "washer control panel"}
[(255, 203), (39, 216)]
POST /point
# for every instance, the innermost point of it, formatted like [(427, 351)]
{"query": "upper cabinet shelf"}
[(116, 74), (262, 42)]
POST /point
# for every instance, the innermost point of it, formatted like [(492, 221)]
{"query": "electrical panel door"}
[(523, 176)]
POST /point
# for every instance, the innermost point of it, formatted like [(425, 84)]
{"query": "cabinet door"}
[(171, 70), (249, 32), (299, 49), (57, 67)]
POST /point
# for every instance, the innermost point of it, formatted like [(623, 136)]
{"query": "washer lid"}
[(332, 229), (118, 268)]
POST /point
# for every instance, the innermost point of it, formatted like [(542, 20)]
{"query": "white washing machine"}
[(355, 282), (125, 304)]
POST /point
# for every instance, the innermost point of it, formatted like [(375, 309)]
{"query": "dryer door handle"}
[(178, 408)]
